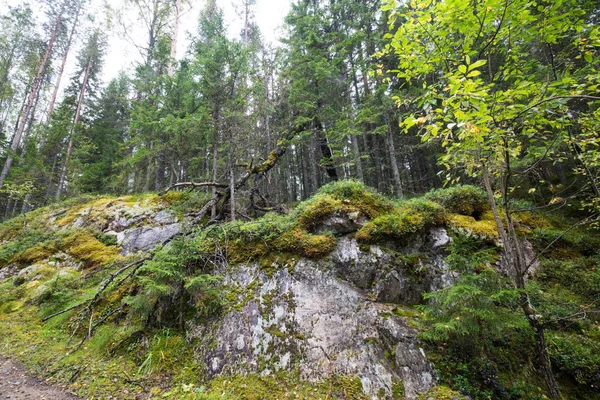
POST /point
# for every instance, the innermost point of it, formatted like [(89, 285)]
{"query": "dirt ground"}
[(17, 384)]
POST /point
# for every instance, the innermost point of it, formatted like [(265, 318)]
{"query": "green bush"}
[(577, 356)]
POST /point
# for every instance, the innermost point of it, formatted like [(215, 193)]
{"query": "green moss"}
[(254, 387), (486, 228), (442, 393), (409, 217), (398, 389), (346, 196), (464, 200), (351, 387), (85, 247)]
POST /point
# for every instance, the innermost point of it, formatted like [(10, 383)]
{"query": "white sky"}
[(122, 54)]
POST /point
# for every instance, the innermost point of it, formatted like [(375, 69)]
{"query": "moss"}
[(345, 197), (485, 228), (350, 387), (442, 393), (36, 253), (267, 164), (274, 331), (398, 389), (279, 386), (85, 247), (409, 217), (464, 200)]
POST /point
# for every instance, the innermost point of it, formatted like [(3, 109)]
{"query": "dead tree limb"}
[(63, 311), (92, 302), (259, 170), (194, 185)]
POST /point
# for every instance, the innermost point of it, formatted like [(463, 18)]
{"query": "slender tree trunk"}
[(232, 195), (326, 151), (389, 144), (516, 260), (161, 163), (215, 157), (63, 173), (173, 56), (305, 176), (32, 94), (63, 64), (314, 166)]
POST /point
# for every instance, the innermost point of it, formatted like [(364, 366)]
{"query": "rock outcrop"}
[(337, 315)]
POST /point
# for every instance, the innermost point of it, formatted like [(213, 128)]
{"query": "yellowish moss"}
[(485, 228), (239, 251), (526, 222), (409, 217), (254, 387), (85, 247), (317, 246), (301, 242), (442, 393), (171, 197), (35, 254), (318, 210)]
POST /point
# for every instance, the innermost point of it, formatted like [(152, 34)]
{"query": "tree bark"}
[(389, 144), (326, 151), (63, 173), (63, 64), (515, 259)]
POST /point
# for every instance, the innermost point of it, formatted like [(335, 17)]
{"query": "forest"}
[(379, 119)]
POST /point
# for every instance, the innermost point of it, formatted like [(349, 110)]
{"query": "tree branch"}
[(193, 184)]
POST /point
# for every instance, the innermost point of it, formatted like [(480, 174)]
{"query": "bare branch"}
[(193, 184)]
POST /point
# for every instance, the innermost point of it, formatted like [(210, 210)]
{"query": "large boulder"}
[(332, 316)]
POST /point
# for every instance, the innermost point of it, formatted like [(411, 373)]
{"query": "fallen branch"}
[(63, 311), (193, 184), (90, 306), (260, 170)]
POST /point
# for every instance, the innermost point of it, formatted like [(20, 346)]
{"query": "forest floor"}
[(17, 384)]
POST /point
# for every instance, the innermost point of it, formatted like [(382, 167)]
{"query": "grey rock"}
[(439, 238), (165, 217), (317, 314), (146, 237), (343, 223), (9, 271)]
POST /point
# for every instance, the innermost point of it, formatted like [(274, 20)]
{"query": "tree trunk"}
[(63, 64), (215, 155), (326, 151), (514, 258), (161, 164), (232, 193), (63, 173), (173, 56), (32, 94), (389, 144)]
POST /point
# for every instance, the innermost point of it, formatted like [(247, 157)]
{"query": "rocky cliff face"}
[(340, 315), (337, 316)]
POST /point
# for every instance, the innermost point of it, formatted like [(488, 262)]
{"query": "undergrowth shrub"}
[(577, 356), (175, 286)]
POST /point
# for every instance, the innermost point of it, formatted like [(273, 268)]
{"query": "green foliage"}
[(577, 356), (580, 275), (28, 239), (174, 286), (480, 306)]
